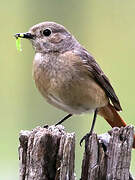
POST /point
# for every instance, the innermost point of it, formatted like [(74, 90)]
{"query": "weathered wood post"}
[(109, 157), (48, 154)]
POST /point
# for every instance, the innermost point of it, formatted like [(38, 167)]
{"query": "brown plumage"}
[(68, 76)]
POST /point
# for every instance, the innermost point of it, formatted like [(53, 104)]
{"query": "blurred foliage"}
[(106, 28)]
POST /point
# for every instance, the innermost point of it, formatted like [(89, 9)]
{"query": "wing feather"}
[(99, 77)]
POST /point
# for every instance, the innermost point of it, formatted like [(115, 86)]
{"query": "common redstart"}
[(68, 76)]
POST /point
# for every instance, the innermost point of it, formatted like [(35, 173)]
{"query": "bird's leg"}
[(62, 120), (93, 122), (91, 129)]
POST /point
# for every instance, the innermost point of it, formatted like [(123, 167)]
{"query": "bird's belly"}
[(75, 98), (70, 92), (72, 109)]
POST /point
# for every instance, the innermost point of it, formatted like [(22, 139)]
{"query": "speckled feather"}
[(66, 74)]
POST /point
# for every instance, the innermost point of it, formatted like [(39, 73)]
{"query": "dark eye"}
[(47, 32)]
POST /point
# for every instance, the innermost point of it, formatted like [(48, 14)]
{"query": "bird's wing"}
[(99, 76)]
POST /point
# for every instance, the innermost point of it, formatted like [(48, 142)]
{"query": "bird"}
[(69, 77)]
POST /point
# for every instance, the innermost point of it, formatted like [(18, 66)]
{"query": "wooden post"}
[(48, 154), (108, 156)]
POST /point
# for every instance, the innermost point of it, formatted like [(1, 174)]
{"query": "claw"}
[(82, 141), (45, 126), (86, 137)]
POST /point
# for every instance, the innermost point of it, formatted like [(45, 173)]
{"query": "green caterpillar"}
[(18, 41), (18, 44)]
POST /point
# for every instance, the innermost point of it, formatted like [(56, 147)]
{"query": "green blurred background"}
[(105, 27)]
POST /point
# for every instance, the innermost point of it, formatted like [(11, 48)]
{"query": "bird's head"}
[(49, 37)]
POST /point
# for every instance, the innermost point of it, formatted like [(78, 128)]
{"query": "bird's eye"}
[(47, 32)]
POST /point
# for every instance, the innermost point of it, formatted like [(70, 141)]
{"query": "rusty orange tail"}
[(112, 117)]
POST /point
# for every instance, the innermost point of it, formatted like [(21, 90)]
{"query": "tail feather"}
[(112, 117)]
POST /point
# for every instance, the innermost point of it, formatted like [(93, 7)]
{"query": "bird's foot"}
[(46, 126), (86, 137)]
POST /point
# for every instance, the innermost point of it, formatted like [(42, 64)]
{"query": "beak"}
[(26, 35)]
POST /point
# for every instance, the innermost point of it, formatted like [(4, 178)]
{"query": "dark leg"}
[(62, 120), (93, 122), (91, 129)]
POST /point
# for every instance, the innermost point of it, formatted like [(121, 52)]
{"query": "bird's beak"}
[(26, 35)]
